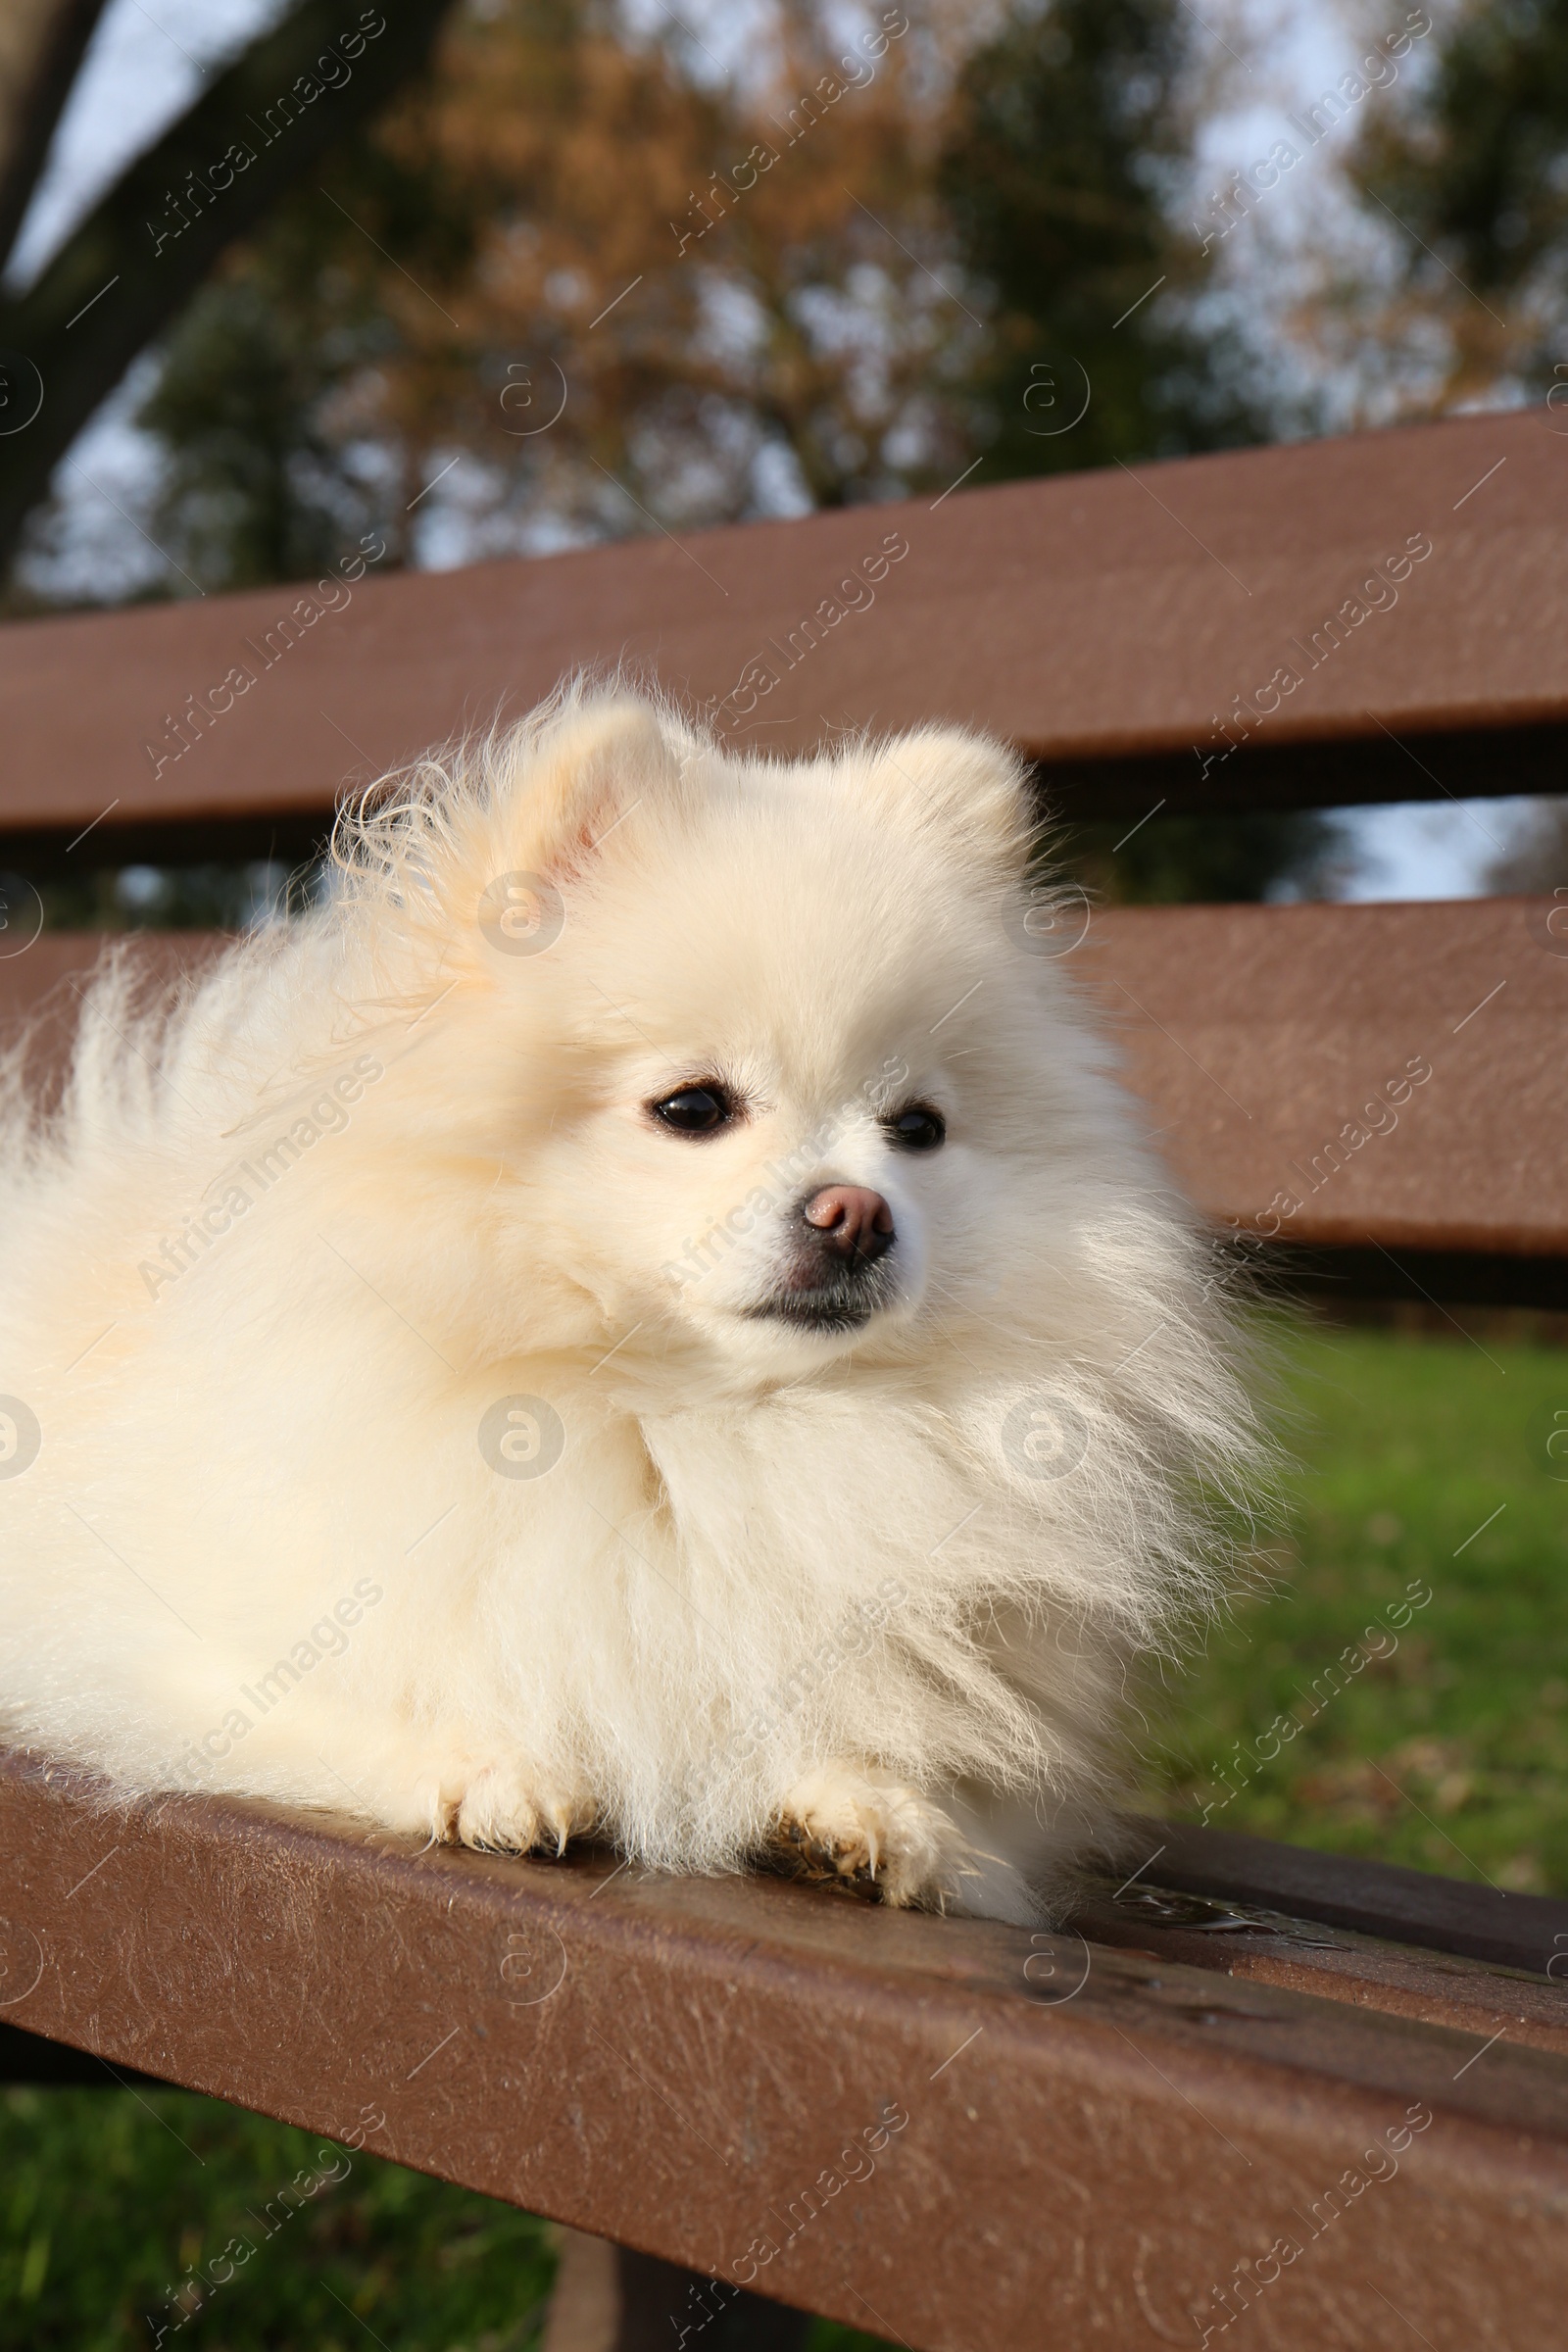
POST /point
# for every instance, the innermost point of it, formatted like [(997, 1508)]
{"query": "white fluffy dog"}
[(646, 1310)]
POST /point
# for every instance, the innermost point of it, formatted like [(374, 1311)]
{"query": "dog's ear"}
[(970, 789), (586, 769)]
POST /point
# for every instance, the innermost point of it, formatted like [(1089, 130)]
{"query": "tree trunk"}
[(144, 249)]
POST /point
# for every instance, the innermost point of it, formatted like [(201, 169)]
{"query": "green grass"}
[(111, 2203), (1449, 1752), (1446, 1746), (109, 2200)]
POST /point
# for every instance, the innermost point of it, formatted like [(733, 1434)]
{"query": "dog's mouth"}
[(847, 1301)]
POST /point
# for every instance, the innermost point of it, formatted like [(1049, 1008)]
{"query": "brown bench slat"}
[(676, 2062), (1380, 1898), (1405, 1940), (1094, 618), (1276, 1944), (1257, 1034)]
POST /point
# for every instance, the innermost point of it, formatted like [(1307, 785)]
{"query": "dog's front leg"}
[(856, 1824), (465, 1787)]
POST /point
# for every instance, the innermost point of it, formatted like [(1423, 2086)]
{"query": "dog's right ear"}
[(956, 783), (580, 775)]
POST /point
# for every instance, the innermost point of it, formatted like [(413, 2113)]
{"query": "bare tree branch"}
[(146, 247), (42, 44)]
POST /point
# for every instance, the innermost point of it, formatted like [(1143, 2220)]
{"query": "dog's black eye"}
[(695, 1109), (916, 1128)]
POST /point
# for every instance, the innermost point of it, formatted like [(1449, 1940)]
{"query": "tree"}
[(1468, 176), (1217, 857), (40, 50), (1072, 132), (830, 281), (135, 263), (565, 217)]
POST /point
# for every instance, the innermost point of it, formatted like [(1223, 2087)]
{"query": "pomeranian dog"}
[(646, 1312)]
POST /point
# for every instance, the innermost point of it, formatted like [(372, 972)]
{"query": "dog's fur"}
[(787, 1585)]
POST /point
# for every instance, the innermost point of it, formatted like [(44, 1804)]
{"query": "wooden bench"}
[(1252, 2078)]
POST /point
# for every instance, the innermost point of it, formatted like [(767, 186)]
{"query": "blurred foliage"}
[(175, 898), (1423, 1461), (127, 229), (1073, 131), (567, 209), (1536, 859), (253, 490), (824, 277), (116, 2205), (1219, 859), (1468, 173)]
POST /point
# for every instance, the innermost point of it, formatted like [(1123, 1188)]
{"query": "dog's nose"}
[(852, 1222)]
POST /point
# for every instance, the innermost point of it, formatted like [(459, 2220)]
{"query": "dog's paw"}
[(502, 1809), (861, 1828)]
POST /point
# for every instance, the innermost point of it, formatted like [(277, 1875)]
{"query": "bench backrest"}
[(1376, 618)]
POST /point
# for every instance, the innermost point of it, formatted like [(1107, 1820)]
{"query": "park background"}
[(1253, 223)]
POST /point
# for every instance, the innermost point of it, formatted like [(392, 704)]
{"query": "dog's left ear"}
[(592, 762), (971, 790)]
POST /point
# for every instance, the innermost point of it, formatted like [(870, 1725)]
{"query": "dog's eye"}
[(695, 1109), (916, 1128)]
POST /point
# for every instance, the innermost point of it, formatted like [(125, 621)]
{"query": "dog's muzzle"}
[(841, 1267)]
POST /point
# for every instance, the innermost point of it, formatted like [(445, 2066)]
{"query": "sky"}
[(148, 58), (143, 67)]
